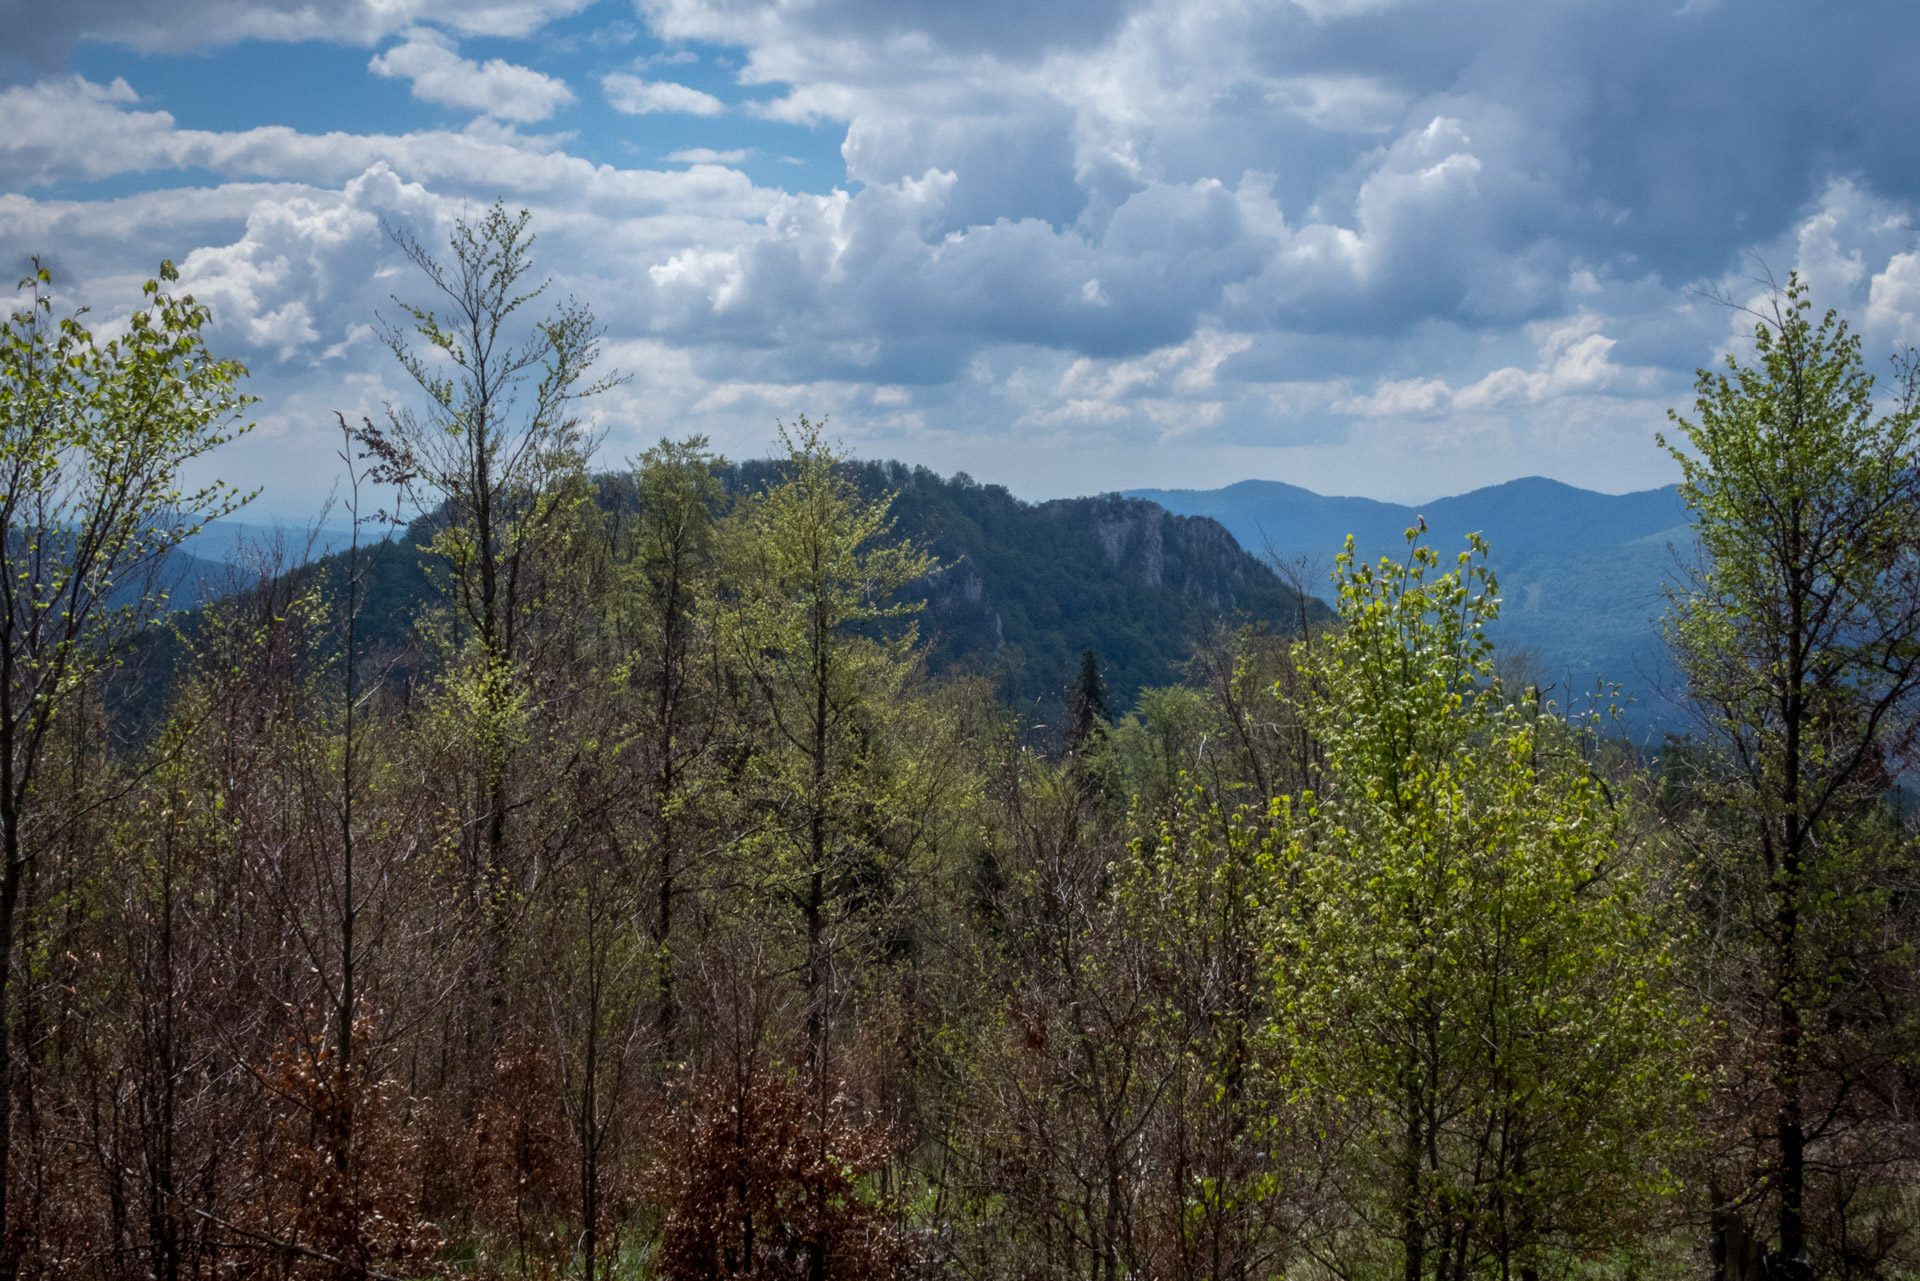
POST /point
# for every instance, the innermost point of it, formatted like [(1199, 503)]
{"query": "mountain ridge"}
[(1023, 591), (1540, 513), (1582, 574)]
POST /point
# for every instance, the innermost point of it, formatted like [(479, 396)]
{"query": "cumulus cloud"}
[(1894, 300), (494, 88), (1316, 226), (1400, 398), (1575, 359), (70, 128), (636, 97), (1191, 366), (294, 283)]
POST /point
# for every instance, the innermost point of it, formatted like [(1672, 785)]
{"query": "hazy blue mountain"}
[(1581, 573), (1534, 513), (222, 540), (228, 555)]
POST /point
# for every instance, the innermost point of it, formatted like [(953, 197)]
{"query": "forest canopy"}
[(691, 868)]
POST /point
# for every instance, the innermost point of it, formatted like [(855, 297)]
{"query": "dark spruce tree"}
[(1087, 711)]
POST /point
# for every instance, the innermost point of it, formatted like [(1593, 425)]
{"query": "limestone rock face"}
[(1026, 588)]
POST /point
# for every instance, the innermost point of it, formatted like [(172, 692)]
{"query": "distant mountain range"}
[(220, 539), (225, 555), (1581, 573)]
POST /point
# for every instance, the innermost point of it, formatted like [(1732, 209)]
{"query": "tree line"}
[(645, 908)]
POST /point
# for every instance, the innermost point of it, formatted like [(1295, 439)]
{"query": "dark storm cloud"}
[(1701, 128)]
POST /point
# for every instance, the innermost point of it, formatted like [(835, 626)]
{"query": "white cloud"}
[(1329, 10), (634, 96), (46, 32), (708, 156), (74, 130), (1343, 104), (1190, 367), (495, 88), (1894, 303), (1574, 360), (1105, 222), (1400, 398), (1575, 357), (69, 130), (1855, 248), (298, 261)]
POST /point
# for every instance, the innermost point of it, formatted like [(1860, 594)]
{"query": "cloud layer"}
[(1394, 248)]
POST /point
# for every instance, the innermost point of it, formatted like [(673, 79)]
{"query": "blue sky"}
[(1378, 247)]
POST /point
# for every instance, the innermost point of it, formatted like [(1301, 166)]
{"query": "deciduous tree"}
[(498, 450), (1798, 635), (1472, 971), (812, 623), (94, 437)]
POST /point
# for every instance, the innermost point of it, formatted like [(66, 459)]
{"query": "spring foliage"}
[(1474, 968)]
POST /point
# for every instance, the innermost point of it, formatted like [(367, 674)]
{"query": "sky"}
[(1394, 248)]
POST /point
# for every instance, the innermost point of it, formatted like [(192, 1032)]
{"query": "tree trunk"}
[(666, 1015), (1787, 1083), (589, 1120), (1413, 1228), (9, 897)]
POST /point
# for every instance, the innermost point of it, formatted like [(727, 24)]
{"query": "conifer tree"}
[(1087, 711)]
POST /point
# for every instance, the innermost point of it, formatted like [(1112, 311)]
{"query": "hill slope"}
[(1580, 572), (1023, 590)]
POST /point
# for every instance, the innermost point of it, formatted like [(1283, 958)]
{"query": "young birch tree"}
[(499, 446)]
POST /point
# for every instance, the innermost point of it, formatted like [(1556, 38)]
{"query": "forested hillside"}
[(1019, 592), (685, 870)]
